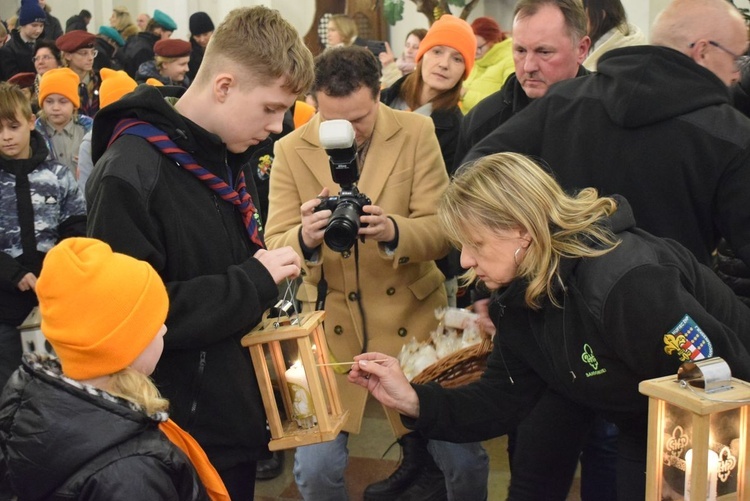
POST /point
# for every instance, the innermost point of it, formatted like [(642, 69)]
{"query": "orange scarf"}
[(207, 473)]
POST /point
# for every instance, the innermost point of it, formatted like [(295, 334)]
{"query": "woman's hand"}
[(482, 308), (386, 57), (386, 381)]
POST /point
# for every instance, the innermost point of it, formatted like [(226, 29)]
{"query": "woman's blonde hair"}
[(137, 388), (123, 19), (346, 26), (508, 191)]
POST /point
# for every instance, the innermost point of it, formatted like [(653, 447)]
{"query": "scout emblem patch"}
[(688, 341)]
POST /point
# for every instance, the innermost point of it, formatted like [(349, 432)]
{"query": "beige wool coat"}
[(404, 174)]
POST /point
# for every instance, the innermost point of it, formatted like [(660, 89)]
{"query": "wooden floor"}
[(367, 463)]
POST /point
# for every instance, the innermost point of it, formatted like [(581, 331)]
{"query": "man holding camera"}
[(384, 289)]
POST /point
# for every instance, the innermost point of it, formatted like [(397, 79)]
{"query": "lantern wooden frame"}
[(699, 405), (308, 333)]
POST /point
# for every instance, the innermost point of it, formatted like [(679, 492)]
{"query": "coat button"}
[(353, 296), (391, 291), (403, 260), (402, 332), (338, 330), (346, 254)]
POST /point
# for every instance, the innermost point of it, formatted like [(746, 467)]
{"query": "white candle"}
[(303, 411), (713, 470)]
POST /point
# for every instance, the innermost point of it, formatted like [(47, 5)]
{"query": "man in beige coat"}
[(385, 289)]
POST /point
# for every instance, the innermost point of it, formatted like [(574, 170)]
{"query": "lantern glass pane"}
[(676, 438), (725, 441)]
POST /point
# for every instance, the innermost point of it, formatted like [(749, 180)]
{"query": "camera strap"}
[(320, 301)]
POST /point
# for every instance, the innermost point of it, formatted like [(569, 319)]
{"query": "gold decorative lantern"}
[(308, 387), (698, 434)]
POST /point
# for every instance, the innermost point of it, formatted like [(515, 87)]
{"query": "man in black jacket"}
[(682, 159), (78, 21), (187, 206), (549, 45)]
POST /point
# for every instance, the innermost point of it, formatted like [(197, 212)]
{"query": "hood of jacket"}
[(149, 104), (638, 85), (51, 427), (39, 153)]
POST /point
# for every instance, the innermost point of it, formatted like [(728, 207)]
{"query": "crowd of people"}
[(155, 193)]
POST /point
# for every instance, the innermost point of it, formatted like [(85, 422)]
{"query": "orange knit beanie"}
[(115, 84), (453, 32), (63, 81), (100, 309)]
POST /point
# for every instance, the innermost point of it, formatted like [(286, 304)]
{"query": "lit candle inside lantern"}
[(713, 469), (303, 411)]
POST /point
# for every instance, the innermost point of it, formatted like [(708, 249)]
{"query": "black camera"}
[(337, 137)]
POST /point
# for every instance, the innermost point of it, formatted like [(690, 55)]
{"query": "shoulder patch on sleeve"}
[(687, 341)]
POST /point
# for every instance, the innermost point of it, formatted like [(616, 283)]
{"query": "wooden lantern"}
[(698, 435), (308, 388)]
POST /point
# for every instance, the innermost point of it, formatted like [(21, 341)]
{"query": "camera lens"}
[(343, 226)]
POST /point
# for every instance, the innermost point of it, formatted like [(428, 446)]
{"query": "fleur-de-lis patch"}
[(688, 341), (588, 357)]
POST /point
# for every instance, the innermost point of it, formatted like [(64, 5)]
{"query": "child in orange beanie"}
[(59, 122), (115, 84), (96, 407)]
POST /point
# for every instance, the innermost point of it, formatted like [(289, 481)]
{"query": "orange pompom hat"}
[(115, 84), (63, 81), (453, 32), (100, 309)]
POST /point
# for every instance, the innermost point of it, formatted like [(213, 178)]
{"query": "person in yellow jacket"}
[(493, 63)]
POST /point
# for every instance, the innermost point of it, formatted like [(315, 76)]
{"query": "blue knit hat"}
[(164, 20), (31, 12)]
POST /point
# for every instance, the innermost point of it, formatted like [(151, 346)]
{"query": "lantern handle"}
[(286, 307)]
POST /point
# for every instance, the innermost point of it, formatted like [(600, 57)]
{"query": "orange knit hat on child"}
[(100, 309), (63, 81), (453, 32), (115, 84)]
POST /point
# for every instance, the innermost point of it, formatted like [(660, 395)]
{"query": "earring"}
[(515, 256)]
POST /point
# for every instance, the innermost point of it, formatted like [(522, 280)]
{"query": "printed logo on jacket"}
[(687, 341)]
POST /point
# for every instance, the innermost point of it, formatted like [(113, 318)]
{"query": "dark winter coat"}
[(61, 441), (621, 321), (491, 112), (146, 206), (15, 57), (40, 204), (196, 58), (138, 49), (682, 159)]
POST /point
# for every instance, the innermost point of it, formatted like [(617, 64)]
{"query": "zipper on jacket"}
[(500, 313), (197, 386)]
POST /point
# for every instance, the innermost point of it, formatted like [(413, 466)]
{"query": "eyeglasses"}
[(87, 52), (45, 57), (740, 61)]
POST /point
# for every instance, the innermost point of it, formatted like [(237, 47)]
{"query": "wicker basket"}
[(461, 367)]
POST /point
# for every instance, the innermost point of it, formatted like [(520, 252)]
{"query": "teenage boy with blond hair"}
[(168, 187)]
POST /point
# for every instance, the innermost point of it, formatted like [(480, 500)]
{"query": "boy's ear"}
[(223, 83), (32, 122)]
